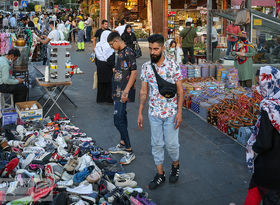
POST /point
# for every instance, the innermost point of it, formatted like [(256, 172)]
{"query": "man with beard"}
[(165, 114), (124, 76)]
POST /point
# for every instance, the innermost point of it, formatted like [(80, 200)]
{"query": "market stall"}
[(212, 92)]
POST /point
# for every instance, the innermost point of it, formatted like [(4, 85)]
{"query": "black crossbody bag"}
[(165, 88)]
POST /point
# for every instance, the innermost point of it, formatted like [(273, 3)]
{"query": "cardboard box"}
[(25, 113)]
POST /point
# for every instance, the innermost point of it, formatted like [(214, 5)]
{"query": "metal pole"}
[(209, 30)]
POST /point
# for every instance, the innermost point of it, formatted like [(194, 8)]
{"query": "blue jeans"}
[(120, 121), (230, 45), (88, 33), (163, 133)]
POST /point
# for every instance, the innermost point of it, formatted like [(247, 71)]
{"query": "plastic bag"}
[(95, 80)]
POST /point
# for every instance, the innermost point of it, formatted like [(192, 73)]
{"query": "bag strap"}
[(187, 33), (155, 71)]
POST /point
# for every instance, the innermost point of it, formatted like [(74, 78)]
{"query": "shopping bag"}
[(138, 51), (94, 80), (92, 57)]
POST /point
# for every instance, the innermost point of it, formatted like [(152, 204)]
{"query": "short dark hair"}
[(104, 21), (113, 36), (122, 21), (156, 38), (52, 23), (188, 24), (15, 52)]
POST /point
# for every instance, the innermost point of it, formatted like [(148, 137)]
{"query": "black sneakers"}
[(157, 181), (174, 174)]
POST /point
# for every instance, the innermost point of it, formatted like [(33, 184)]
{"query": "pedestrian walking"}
[(104, 60), (244, 52), (124, 85), (129, 37), (13, 21), (81, 34), (187, 38), (233, 32), (171, 51), (263, 147), (165, 112), (89, 24), (97, 36), (6, 22)]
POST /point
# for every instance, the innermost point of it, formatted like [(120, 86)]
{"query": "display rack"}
[(59, 63)]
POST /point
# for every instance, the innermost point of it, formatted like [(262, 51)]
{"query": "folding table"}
[(53, 95)]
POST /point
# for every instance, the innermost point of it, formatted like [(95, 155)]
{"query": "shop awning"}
[(254, 3)]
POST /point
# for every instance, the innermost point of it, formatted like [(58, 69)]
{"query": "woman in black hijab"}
[(129, 37)]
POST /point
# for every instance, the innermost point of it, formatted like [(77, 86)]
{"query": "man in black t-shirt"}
[(124, 77), (104, 26)]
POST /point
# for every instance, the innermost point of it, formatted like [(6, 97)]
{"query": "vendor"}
[(54, 35), (244, 53), (9, 84)]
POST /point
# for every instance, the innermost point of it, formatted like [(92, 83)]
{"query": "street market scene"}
[(140, 102)]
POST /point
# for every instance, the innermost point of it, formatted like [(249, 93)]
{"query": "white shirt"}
[(5, 22), (214, 34), (54, 35), (120, 29)]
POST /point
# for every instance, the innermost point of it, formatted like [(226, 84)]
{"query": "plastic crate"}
[(9, 116)]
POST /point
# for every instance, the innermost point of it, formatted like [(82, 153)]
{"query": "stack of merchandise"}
[(184, 71), (197, 71), (52, 161), (232, 78), (191, 72)]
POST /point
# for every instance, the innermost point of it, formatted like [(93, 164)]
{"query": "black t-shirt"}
[(126, 62), (99, 32)]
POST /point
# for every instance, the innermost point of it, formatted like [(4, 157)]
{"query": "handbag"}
[(138, 52), (95, 80), (165, 88)]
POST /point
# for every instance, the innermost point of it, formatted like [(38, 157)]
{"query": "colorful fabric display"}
[(204, 70), (197, 71), (191, 72), (184, 71)]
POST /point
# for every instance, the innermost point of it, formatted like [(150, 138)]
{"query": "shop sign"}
[(38, 8), (257, 22), (15, 5), (194, 2), (24, 3)]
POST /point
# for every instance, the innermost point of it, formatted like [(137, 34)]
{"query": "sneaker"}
[(12, 188), (174, 174), (157, 181), (62, 184), (95, 175), (40, 142), (81, 176), (127, 158), (66, 177), (82, 189), (90, 197), (111, 196), (71, 164), (129, 176), (119, 149), (28, 160), (125, 183), (9, 167), (84, 161), (142, 197)]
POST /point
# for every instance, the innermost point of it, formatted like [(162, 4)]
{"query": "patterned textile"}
[(126, 62), (270, 90), (160, 106)]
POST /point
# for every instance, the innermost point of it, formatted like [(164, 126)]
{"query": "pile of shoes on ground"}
[(52, 162)]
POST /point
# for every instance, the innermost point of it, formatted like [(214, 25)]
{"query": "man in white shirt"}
[(6, 22), (121, 28), (54, 35), (13, 21)]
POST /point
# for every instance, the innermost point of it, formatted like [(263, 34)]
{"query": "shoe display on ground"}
[(118, 149), (158, 180), (127, 158), (81, 189), (174, 174), (58, 157)]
